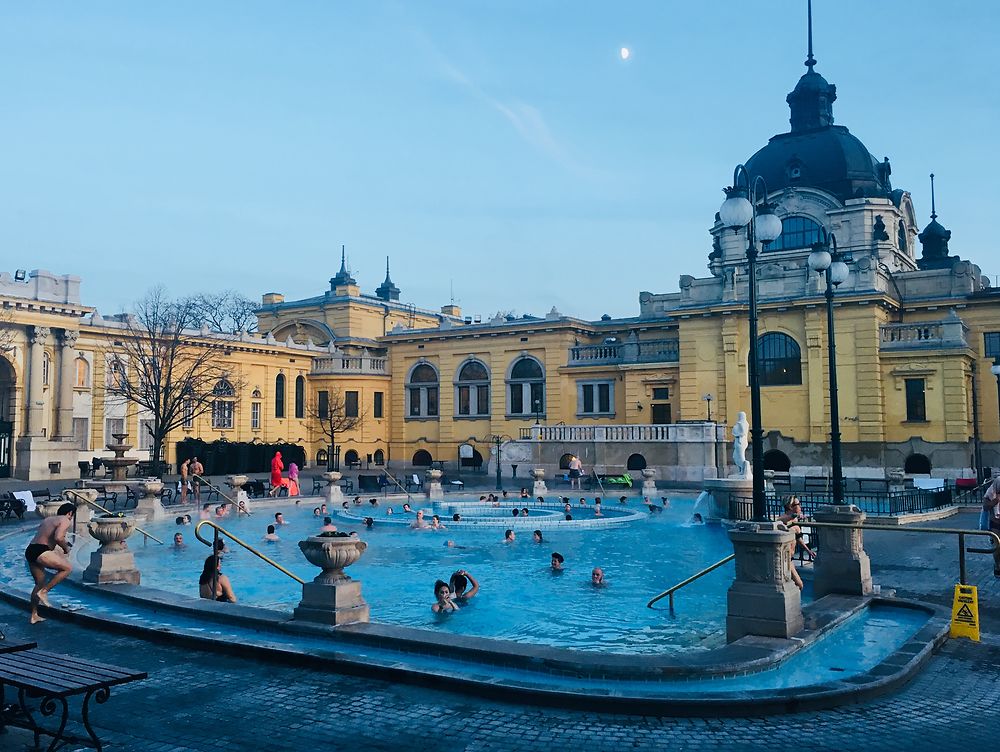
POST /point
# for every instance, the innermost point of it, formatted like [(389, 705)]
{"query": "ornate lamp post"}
[(825, 260), (708, 399), (746, 207), (498, 439)]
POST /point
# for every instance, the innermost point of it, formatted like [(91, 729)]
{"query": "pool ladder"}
[(671, 590), (214, 544), (106, 511)]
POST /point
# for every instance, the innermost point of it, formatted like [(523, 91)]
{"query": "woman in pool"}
[(597, 577), (223, 587), (537, 536), (515, 511), (444, 602), (524, 493), (436, 523)]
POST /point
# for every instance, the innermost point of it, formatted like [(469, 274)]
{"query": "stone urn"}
[(539, 488), (80, 497), (48, 508), (111, 532), (538, 473), (332, 597), (648, 482), (331, 552), (433, 487), (769, 482), (236, 481), (897, 481), (150, 506), (333, 492), (112, 563), (434, 476)]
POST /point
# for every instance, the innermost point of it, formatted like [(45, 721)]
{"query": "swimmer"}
[(316, 512), (223, 588), (178, 540), (451, 544), (406, 508), (322, 510), (444, 602), (328, 526), (206, 512), (696, 519), (515, 511), (567, 508), (623, 500), (524, 512), (508, 536), (597, 577), (665, 501), (271, 536), (583, 502), (569, 518), (537, 536), (373, 502), (483, 499), (388, 511), (524, 493), (220, 511), (436, 523), (345, 505), (418, 523), (557, 561), (456, 517), (179, 520), (279, 519), (459, 582), (540, 500), (504, 494), (369, 522)]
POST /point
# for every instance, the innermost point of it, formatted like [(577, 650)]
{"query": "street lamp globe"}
[(839, 273), (736, 211), (820, 259), (768, 226)]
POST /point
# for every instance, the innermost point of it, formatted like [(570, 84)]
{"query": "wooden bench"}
[(51, 678)]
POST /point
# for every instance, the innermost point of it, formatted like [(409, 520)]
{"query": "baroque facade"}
[(917, 334)]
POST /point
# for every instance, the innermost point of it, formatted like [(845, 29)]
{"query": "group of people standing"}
[(278, 481)]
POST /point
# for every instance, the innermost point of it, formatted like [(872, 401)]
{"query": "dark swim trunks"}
[(34, 550)]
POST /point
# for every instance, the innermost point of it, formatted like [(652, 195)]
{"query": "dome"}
[(829, 158)]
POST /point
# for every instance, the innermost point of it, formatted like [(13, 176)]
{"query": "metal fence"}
[(913, 501)]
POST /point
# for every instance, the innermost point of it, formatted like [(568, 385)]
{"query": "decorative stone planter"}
[(332, 597), (48, 508), (80, 497), (432, 486), (236, 481), (333, 493), (763, 600), (648, 482), (844, 566), (539, 488), (897, 481), (769, 482), (150, 505), (113, 562)]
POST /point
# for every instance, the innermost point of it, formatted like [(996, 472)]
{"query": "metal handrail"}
[(219, 529), (671, 590), (240, 506), (389, 475), (106, 511)]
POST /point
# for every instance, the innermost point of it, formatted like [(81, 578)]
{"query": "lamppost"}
[(537, 405), (746, 207), (708, 399), (825, 260), (498, 439)]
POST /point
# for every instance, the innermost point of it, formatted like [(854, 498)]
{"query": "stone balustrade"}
[(350, 364), (945, 333), (670, 432)]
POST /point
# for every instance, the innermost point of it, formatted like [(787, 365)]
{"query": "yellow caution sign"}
[(965, 613)]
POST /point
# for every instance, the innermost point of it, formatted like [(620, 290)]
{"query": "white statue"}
[(741, 437)]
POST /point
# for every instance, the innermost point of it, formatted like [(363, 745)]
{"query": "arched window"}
[(379, 457), (526, 388), (472, 389), (352, 458), (279, 396), (796, 232), (636, 462), (300, 397), (904, 246), (46, 368), (777, 461), (780, 360), (421, 458), (223, 405), (422, 392), (82, 373), (917, 464), (564, 461), (322, 457)]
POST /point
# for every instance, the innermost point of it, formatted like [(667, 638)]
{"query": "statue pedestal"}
[(340, 603), (763, 600), (333, 493), (729, 498), (150, 506), (539, 488), (842, 566), (432, 484), (112, 563), (649, 483)]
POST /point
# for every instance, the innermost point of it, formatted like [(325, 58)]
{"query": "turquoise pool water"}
[(520, 597)]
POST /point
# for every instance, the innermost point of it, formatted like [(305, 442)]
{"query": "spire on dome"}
[(387, 290), (811, 102), (934, 240), (343, 277)]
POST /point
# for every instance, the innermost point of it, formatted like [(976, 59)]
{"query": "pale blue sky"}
[(503, 146)]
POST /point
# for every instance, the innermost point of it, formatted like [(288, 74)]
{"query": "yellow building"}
[(916, 337)]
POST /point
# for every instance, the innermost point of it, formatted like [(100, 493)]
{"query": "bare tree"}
[(331, 415), (227, 311), (158, 363)]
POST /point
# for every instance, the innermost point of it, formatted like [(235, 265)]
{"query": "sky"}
[(502, 153)]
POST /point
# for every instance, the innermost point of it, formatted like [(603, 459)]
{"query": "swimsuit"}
[(34, 550)]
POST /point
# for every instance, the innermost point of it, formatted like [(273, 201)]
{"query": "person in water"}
[(223, 587), (536, 536), (328, 526), (271, 536), (459, 586), (444, 603), (557, 561), (597, 577), (508, 536)]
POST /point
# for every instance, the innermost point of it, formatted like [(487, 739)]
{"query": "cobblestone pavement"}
[(204, 701)]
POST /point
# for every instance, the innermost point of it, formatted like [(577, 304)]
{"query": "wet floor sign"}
[(965, 613)]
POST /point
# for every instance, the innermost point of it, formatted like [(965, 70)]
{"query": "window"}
[(422, 392), (916, 406), (111, 427), (81, 433), (379, 457), (377, 398), (472, 390), (115, 377), (255, 416), (188, 414), (780, 360), (82, 373), (595, 397), (300, 397), (46, 368), (323, 404), (145, 434), (222, 409), (526, 388), (991, 342), (279, 396), (903, 245), (796, 232), (351, 404), (661, 393)]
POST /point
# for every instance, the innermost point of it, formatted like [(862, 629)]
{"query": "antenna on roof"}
[(933, 207), (451, 290), (810, 60)]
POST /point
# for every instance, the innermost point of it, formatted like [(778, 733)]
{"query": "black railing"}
[(912, 501)]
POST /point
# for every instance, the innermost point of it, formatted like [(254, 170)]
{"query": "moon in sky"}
[(625, 53)]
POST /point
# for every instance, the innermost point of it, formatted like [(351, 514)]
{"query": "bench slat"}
[(59, 674), (70, 660), (51, 666)]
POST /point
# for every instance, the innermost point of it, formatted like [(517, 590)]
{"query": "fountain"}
[(147, 490), (119, 464)]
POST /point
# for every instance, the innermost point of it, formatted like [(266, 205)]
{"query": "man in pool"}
[(279, 519), (456, 517), (567, 508), (316, 512), (436, 523), (515, 511), (271, 536), (623, 500), (329, 527), (322, 510), (597, 509), (418, 523), (41, 554), (459, 583), (178, 540), (406, 508), (597, 577), (508, 536), (557, 561), (369, 522), (206, 512)]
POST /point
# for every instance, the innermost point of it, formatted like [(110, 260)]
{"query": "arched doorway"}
[(636, 462), (777, 460), (421, 458), (6, 411), (565, 460), (352, 458), (917, 464), (379, 457)]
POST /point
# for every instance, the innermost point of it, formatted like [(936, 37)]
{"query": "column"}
[(36, 399), (67, 377)]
